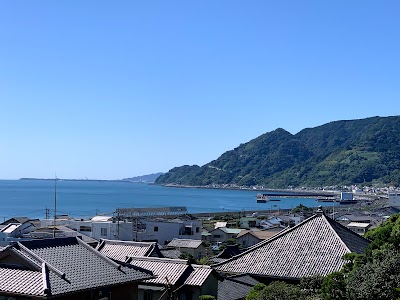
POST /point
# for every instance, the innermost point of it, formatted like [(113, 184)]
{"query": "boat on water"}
[(262, 198)]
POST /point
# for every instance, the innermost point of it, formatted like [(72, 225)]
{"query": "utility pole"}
[(118, 224), (47, 213), (55, 206)]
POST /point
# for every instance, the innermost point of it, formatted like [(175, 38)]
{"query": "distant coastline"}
[(69, 179)]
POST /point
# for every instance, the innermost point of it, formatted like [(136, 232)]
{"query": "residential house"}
[(141, 230), (121, 250), (196, 248), (249, 222), (313, 247), (345, 219), (248, 238), (58, 231), (13, 229), (206, 236), (222, 234), (175, 279), (360, 228), (65, 268)]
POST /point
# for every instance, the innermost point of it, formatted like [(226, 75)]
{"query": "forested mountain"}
[(337, 153), (144, 178)]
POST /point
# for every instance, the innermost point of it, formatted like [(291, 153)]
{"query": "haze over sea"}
[(80, 199)]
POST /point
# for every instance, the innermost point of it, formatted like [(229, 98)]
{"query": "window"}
[(148, 295), (103, 232), (197, 229), (155, 228), (85, 228), (217, 236)]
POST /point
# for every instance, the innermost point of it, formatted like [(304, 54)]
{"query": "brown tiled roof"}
[(315, 246), (60, 266), (121, 250)]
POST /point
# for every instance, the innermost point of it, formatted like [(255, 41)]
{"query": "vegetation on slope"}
[(337, 153)]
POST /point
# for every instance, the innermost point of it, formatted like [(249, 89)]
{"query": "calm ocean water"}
[(81, 199)]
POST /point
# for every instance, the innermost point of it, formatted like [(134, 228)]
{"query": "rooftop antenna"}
[(55, 206)]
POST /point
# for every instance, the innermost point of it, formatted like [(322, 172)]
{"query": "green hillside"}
[(337, 153)]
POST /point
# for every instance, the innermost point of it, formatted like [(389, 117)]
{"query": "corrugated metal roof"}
[(315, 246), (198, 275), (166, 270), (185, 243), (121, 250)]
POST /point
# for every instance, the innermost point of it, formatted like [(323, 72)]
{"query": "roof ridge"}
[(119, 242), (159, 259), (45, 280), (41, 260), (330, 221), (262, 243), (201, 266), (25, 258), (99, 254)]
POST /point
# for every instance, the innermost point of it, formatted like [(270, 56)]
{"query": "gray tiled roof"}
[(185, 243), (11, 281), (173, 271), (235, 287), (121, 250), (315, 246), (199, 275), (171, 253), (61, 266), (165, 270)]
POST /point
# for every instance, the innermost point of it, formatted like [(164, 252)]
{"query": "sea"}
[(86, 198)]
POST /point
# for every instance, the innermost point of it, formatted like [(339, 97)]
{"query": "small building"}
[(394, 199), (206, 236), (121, 250), (175, 278), (223, 234), (353, 218), (13, 229), (359, 228), (220, 224), (249, 222), (248, 238), (141, 230), (196, 248)]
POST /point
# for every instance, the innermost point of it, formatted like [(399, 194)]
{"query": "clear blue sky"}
[(113, 89)]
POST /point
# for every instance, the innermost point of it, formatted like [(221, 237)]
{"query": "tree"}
[(277, 290), (378, 279), (334, 287)]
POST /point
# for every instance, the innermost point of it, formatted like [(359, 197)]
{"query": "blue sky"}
[(113, 89)]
